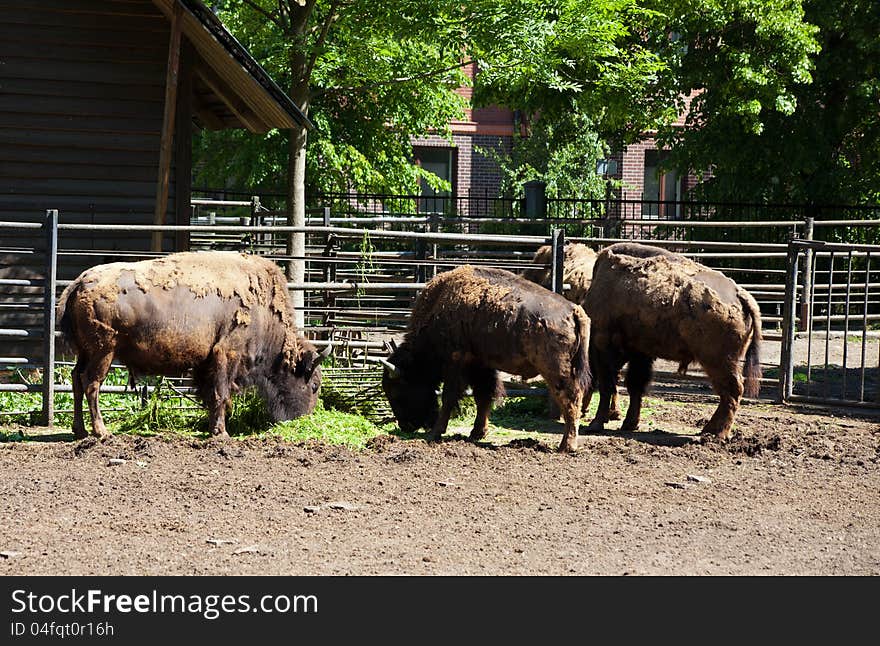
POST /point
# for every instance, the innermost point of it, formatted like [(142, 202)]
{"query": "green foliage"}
[(561, 152), (349, 424), (582, 56), (113, 406), (369, 76), (780, 96), (582, 77), (158, 414), (367, 401), (331, 426), (785, 97)]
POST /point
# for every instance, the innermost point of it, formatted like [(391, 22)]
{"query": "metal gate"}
[(830, 350)]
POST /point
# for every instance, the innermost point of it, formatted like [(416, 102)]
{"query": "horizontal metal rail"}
[(21, 225), (846, 223), (207, 202)]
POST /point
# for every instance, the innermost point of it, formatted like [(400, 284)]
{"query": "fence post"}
[(786, 363), (256, 219), (51, 224), (329, 273), (435, 228), (558, 268), (807, 278)]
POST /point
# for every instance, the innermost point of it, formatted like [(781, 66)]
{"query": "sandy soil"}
[(796, 491)]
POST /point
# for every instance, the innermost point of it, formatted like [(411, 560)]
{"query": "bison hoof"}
[(629, 426), (596, 426), (478, 434), (613, 414), (568, 446), (80, 433), (721, 435)]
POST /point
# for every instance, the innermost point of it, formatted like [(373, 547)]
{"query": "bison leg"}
[(613, 406), (728, 385), (570, 401), (79, 426), (218, 392), (92, 376), (486, 387), (607, 371), (638, 375), (453, 390)]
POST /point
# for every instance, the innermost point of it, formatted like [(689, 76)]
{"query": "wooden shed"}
[(98, 101)]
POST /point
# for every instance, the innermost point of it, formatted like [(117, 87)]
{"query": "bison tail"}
[(580, 364), (63, 319), (752, 367)]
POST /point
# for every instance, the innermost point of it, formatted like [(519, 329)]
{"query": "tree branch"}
[(322, 38), (269, 16)]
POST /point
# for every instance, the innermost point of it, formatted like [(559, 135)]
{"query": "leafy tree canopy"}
[(786, 101), (583, 77), (781, 96), (370, 75)]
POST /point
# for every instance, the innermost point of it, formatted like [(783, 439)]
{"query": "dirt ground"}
[(795, 492)]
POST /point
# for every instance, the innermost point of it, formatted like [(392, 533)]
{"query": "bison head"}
[(411, 390), (293, 389)]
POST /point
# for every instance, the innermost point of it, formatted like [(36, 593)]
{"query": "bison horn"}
[(326, 352), (392, 369)]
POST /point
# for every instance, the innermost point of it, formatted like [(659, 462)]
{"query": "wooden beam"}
[(226, 94), (210, 120), (183, 147), (165, 148)]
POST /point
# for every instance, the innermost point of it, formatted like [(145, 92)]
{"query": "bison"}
[(224, 316), (577, 274), (577, 269), (468, 324), (646, 303)]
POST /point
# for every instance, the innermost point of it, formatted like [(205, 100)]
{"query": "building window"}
[(662, 190), (441, 162)]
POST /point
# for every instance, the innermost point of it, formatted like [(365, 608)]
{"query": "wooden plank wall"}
[(81, 98)]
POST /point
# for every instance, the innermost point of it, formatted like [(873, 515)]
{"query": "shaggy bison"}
[(646, 303), (469, 323), (577, 274), (577, 269), (224, 316)]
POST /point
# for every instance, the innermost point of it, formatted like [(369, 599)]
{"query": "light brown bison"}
[(222, 315), (577, 274), (471, 322), (577, 269), (646, 303)]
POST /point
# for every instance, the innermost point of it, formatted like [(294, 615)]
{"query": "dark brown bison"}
[(577, 274), (222, 315), (470, 323), (646, 303)]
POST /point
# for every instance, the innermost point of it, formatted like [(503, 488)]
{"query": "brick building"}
[(470, 173), (473, 175)]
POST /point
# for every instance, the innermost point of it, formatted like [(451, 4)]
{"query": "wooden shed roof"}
[(231, 89)]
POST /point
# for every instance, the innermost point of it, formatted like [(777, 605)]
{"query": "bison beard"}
[(469, 323), (646, 303), (224, 316)]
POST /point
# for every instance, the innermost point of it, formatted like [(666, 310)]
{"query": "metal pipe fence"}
[(361, 280), (835, 358)]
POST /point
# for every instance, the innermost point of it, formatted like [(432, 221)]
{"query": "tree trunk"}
[(296, 172), (296, 217)]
